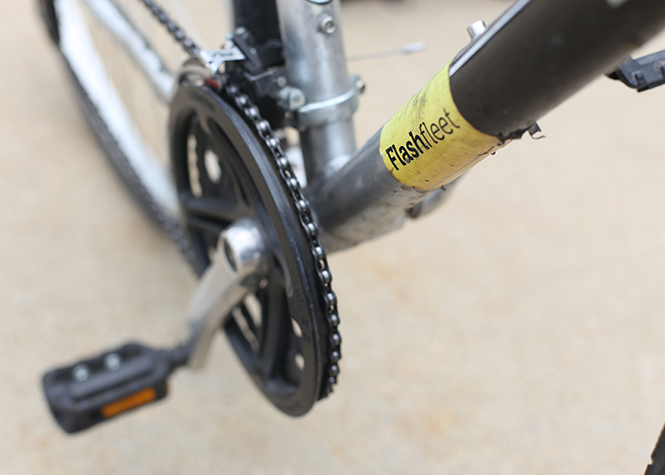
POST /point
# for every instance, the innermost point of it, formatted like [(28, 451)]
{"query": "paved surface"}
[(519, 329)]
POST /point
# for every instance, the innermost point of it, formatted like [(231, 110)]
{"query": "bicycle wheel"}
[(121, 62)]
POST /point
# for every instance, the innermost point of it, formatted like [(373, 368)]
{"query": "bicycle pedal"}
[(642, 73), (100, 388)]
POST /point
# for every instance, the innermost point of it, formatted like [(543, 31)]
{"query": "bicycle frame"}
[(462, 115), (497, 87), (492, 92)]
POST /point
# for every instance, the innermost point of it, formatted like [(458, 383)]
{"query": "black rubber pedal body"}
[(92, 391), (657, 466)]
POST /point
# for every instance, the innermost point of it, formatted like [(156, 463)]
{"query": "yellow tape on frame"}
[(428, 143)]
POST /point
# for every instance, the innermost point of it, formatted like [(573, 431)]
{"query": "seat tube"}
[(314, 53)]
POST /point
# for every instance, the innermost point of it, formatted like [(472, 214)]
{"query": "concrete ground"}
[(519, 329)]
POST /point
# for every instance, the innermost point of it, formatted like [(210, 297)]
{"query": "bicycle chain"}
[(250, 112)]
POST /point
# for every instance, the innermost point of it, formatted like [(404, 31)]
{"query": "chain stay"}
[(252, 115)]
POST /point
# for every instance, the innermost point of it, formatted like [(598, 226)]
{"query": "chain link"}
[(251, 113), (307, 222), (172, 27)]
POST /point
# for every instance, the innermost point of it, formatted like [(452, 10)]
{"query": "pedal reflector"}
[(100, 388), (130, 402)]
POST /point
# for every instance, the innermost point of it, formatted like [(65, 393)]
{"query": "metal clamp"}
[(332, 110)]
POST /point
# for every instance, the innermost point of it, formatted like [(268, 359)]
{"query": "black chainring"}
[(222, 173)]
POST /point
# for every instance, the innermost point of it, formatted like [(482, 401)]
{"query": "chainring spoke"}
[(212, 208), (206, 226)]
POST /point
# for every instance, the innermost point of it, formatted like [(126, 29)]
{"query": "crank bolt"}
[(81, 372)]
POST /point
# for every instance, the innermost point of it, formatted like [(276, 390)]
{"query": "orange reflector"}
[(144, 396)]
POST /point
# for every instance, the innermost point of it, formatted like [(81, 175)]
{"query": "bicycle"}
[(342, 234)]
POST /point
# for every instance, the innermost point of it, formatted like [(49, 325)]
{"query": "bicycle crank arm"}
[(238, 265), (87, 392)]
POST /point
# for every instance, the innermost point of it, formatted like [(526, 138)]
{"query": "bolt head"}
[(361, 85), (296, 99), (112, 361), (327, 24), (81, 372), (476, 28)]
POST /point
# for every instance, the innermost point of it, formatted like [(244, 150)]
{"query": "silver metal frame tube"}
[(136, 45), (314, 53), (364, 199), (84, 59)]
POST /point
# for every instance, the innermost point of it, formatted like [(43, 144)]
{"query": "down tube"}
[(532, 58)]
